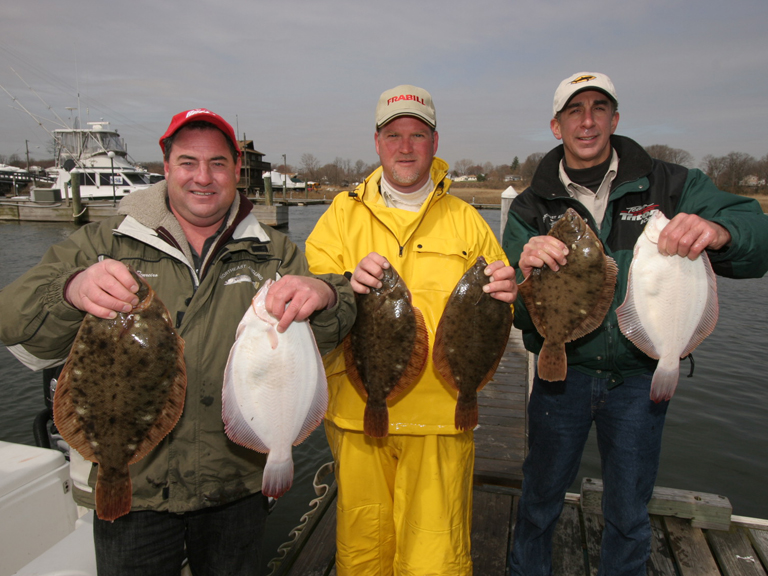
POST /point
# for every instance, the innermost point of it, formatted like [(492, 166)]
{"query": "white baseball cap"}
[(405, 100), (580, 82)]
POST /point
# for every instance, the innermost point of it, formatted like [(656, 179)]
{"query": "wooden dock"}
[(92, 211), (694, 534)]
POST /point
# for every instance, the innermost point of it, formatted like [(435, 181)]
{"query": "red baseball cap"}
[(202, 115)]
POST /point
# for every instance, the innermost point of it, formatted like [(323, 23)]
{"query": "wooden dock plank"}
[(661, 562), (690, 548), (567, 546), (593, 536), (704, 510), (318, 555), (759, 539), (490, 532), (734, 553)]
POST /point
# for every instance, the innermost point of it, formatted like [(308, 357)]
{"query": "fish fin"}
[(418, 360), (664, 381), (527, 293), (466, 414), (65, 418), (440, 359), (319, 404), (711, 310), (113, 496), (352, 372), (376, 420), (172, 410), (278, 476), (631, 325), (235, 426), (596, 316), (553, 362)]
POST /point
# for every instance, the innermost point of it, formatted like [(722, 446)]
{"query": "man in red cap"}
[(205, 254)]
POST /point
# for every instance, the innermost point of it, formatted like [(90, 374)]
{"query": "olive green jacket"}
[(196, 465)]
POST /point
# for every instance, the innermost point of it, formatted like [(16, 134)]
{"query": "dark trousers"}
[(224, 540), (629, 429)]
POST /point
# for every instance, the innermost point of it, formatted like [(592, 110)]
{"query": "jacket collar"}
[(369, 190), (149, 219), (634, 163)]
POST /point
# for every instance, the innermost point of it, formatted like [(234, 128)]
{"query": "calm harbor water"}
[(715, 440)]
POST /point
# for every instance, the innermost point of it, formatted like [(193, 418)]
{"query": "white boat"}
[(99, 155)]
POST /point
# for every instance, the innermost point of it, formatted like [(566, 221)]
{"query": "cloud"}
[(303, 76)]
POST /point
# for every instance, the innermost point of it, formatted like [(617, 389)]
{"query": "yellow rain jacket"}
[(431, 249)]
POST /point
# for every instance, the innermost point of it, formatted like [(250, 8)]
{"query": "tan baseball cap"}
[(405, 100), (580, 82)]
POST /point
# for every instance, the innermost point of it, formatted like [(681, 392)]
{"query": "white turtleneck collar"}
[(410, 201)]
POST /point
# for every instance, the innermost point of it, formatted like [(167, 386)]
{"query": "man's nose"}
[(204, 175)]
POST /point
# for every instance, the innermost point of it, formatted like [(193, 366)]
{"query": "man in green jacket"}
[(616, 187), (205, 254)]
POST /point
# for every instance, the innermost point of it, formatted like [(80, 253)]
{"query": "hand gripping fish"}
[(121, 391), (573, 301), (470, 341), (670, 307), (386, 349), (275, 393)]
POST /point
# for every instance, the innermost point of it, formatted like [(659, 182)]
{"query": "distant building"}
[(291, 183), (752, 181), (253, 167)]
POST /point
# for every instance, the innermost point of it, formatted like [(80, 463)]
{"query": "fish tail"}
[(664, 382), (113, 495), (466, 412), (376, 420), (278, 477), (553, 362)]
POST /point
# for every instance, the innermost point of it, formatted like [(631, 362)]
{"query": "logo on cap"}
[(406, 97), (585, 78)]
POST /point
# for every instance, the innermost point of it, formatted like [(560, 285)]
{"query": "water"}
[(715, 440)]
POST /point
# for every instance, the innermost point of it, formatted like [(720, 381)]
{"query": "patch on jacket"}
[(639, 213), (242, 273)]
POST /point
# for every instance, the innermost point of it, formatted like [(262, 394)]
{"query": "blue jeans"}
[(629, 427), (217, 541)]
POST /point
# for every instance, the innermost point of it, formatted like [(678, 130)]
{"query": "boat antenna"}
[(40, 98), (25, 110)]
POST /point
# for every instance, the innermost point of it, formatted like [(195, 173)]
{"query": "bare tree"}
[(528, 167), (738, 166), (310, 165), (714, 167), (668, 154), (462, 166), (727, 172)]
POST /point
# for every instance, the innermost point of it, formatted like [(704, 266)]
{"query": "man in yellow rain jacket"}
[(405, 500)]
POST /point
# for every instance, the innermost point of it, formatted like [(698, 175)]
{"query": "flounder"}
[(386, 349), (573, 301), (670, 307), (470, 341), (121, 391), (275, 392)]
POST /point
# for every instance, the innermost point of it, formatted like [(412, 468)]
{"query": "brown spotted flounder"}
[(386, 348), (120, 392), (573, 301), (470, 340)]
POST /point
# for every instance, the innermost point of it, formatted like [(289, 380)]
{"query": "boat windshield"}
[(137, 177), (80, 144)]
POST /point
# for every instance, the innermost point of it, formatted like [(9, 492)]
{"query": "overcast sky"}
[(304, 76)]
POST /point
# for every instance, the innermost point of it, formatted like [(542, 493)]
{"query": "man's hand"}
[(103, 289), (689, 235), (542, 251), (295, 298), (368, 273), (503, 285)]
